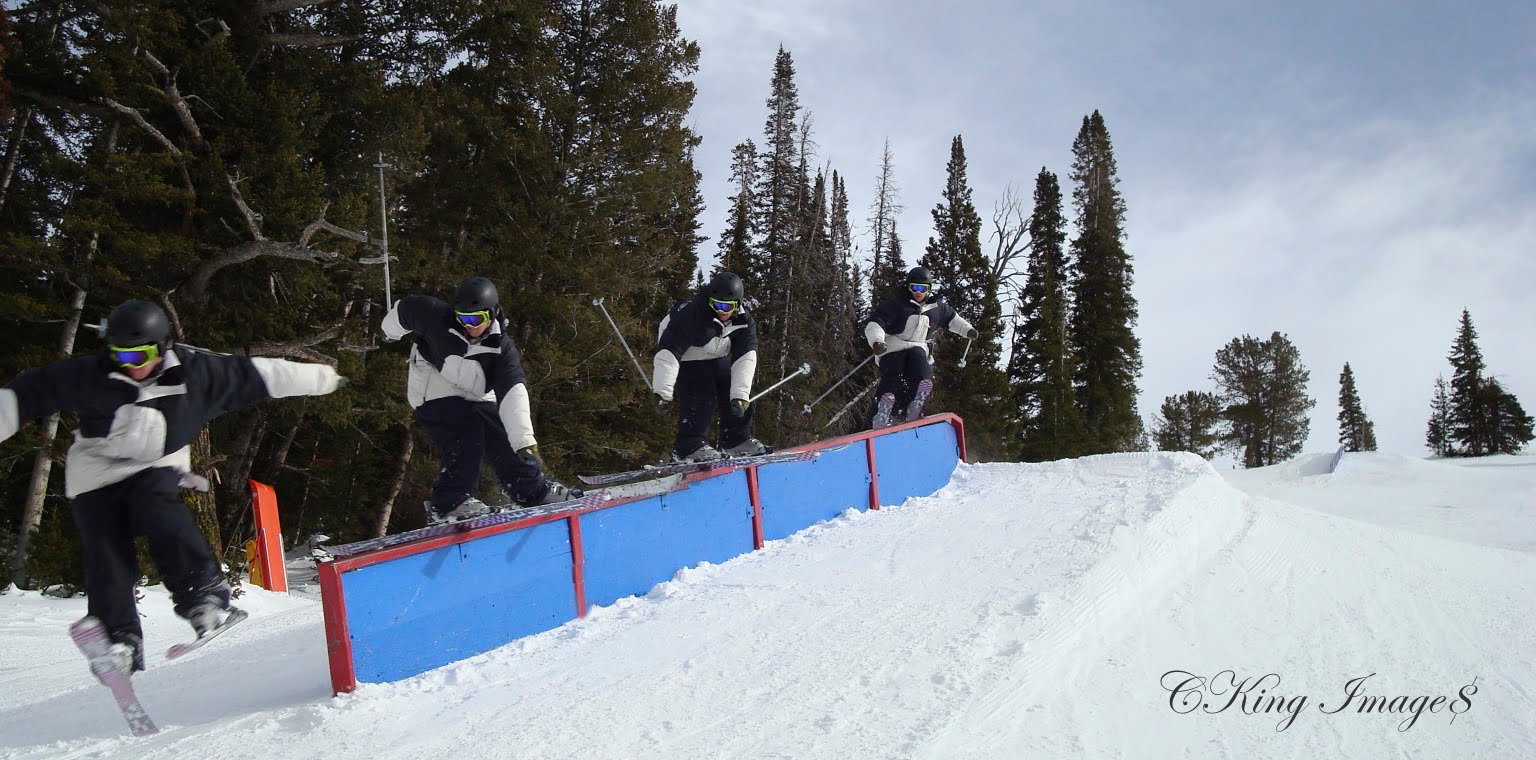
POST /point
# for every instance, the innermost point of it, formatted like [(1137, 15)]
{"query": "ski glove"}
[(530, 455), (739, 405), (194, 482), (879, 348), (342, 382), (972, 334), (662, 404)]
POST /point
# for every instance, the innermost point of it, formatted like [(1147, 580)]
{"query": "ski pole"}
[(849, 405), (805, 369), (598, 302), (828, 392), (384, 228), (966, 353)]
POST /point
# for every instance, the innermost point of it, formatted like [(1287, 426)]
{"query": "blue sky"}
[(1352, 174)]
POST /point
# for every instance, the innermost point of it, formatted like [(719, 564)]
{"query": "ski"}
[(684, 468), (91, 637), (235, 615), (502, 515)]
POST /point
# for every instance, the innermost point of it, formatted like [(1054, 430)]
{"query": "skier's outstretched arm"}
[(410, 314), (227, 383), (37, 393)]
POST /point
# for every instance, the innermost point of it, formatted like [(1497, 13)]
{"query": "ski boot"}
[(554, 493), (703, 453), (919, 400), (748, 448), (209, 615), (469, 507), (883, 412)]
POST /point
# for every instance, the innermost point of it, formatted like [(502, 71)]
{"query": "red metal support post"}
[(578, 565), (338, 639), (757, 508), (874, 474)]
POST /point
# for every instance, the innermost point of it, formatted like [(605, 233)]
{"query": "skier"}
[(707, 349), (140, 404), (899, 331), (467, 386)]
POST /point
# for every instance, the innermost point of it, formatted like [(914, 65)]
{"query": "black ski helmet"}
[(138, 323), (725, 286), (919, 275), (475, 294)]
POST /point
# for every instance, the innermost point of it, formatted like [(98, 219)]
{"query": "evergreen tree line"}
[(1259, 412), (221, 159), (1067, 385)]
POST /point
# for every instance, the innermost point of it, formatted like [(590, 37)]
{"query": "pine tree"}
[(887, 271), (1105, 311), (964, 280), (1190, 422), (778, 186), (1438, 436), (1356, 432), (891, 278), (1263, 389), (1508, 427), (1041, 366), (1468, 415), (736, 242), (849, 297)]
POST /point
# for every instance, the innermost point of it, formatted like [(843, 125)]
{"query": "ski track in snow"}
[(1022, 611)]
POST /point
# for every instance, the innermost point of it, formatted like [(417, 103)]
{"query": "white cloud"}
[(1364, 249)]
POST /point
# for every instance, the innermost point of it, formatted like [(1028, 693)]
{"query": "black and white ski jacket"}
[(693, 333), (446, 363), (128, 426), (901, 323)]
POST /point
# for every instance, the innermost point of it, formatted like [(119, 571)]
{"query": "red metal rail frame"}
[(338, 637)]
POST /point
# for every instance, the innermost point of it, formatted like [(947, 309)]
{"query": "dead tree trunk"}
[(401, 467), (205, 506), (42, 462), (13, 151)]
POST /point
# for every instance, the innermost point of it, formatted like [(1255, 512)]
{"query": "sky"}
[(1352, 174)]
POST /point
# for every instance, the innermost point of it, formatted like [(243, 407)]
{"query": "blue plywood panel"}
[(632, 547), (410, 615), (915, 462), (795, 495)]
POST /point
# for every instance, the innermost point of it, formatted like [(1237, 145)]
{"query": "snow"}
[(1022, 611)]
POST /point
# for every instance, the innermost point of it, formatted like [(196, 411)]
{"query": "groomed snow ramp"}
[(403, 610)]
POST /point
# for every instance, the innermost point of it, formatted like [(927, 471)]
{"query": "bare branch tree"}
[(308, 40), (1010, 230)]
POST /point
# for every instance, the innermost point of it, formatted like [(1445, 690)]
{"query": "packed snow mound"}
[(1023, 611), (1489, 500)]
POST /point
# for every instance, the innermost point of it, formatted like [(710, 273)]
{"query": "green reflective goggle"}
[(474, 318), (136, 357)]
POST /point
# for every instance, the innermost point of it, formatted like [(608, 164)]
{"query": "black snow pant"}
[(466, 433), (147, 504), (901, 374), (704, 385)]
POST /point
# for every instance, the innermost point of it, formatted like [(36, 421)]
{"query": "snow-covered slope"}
[(1023, 611)]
